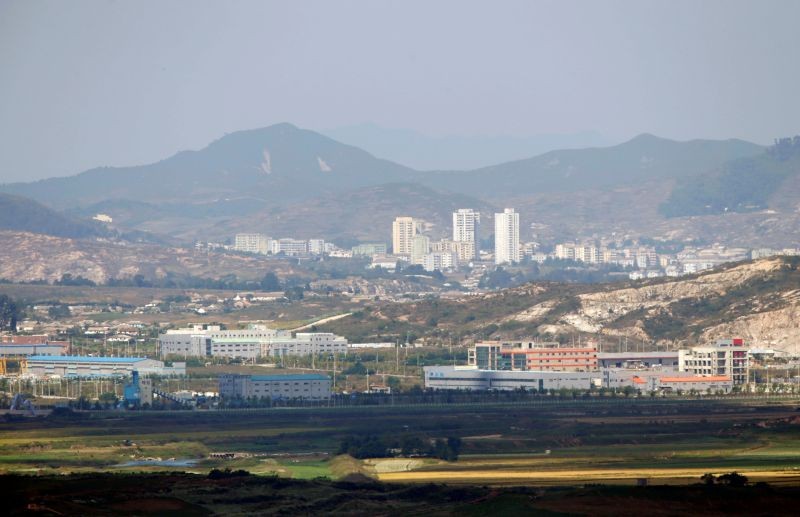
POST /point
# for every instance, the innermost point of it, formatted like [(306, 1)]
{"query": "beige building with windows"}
[(403, 231)]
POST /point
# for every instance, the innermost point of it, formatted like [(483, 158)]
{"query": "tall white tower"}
[(506, 237), (465, 227), (403, 231)]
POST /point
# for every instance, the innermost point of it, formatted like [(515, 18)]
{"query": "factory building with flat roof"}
[(83, 366), (309, 386), (663, 360), (470, 378)]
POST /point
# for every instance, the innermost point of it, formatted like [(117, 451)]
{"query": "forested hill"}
[(742, 185), (26, 215)]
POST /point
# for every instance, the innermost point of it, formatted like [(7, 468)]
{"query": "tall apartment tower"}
[(403, 231), (465, 228), (506, 237)]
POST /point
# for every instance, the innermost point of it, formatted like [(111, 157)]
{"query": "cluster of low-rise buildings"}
[(264, 245), (648, 263), (497, 365)]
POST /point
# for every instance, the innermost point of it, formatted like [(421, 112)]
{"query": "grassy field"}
[(674, 442)]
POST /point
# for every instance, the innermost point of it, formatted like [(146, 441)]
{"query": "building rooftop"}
[(291, 377), (707, 378), (84, 359), (634, 355)]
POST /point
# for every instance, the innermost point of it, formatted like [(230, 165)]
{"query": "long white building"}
[(299, 386), (470, 378), (506, 237), (251, 343), (83, 366)]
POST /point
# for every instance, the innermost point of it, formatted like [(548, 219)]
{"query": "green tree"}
[(270, 282), (9, 313)]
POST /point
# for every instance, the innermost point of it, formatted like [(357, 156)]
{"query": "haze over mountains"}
[(425, 152), (283, 180)]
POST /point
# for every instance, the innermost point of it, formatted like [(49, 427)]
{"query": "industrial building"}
[(665, 381), (24, 350), (727, 357), (81, 366), (300, 386), (470, 378), (305, 343), (250, 343), (521, 356), (662, 360), (474, 379)]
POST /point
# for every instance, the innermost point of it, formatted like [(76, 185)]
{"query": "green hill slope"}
[(26, 215), (742, 185)]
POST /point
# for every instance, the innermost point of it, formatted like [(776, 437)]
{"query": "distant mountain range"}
[(641, 159), (284, 181), (425, 152), (277, 164)]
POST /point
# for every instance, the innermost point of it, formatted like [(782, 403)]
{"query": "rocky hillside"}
[(26, 257), (759, 301)]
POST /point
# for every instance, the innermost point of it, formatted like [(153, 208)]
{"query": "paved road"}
[(322, 321)]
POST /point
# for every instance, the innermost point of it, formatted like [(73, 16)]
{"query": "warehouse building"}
[(666, 381), (80, 366), (662, 360), (301, 386), (20, 350), (474, 379), (471, 378)]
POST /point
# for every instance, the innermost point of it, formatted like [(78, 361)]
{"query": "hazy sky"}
[(88, 83)]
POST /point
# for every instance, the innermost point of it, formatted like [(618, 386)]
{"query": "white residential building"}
[(440, 260), (465, 229), (316, 246), (251, 243), (506, 237), (290, 247)]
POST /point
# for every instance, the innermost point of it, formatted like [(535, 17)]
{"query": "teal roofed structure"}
[(84, 359)]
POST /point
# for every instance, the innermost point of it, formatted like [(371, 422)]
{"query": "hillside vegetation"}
[(754, 300), (26, 215), (742, 185)]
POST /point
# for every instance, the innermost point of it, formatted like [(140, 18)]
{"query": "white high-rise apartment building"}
[(403, 231), (506, 237), (251, 243), (465, 229)]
